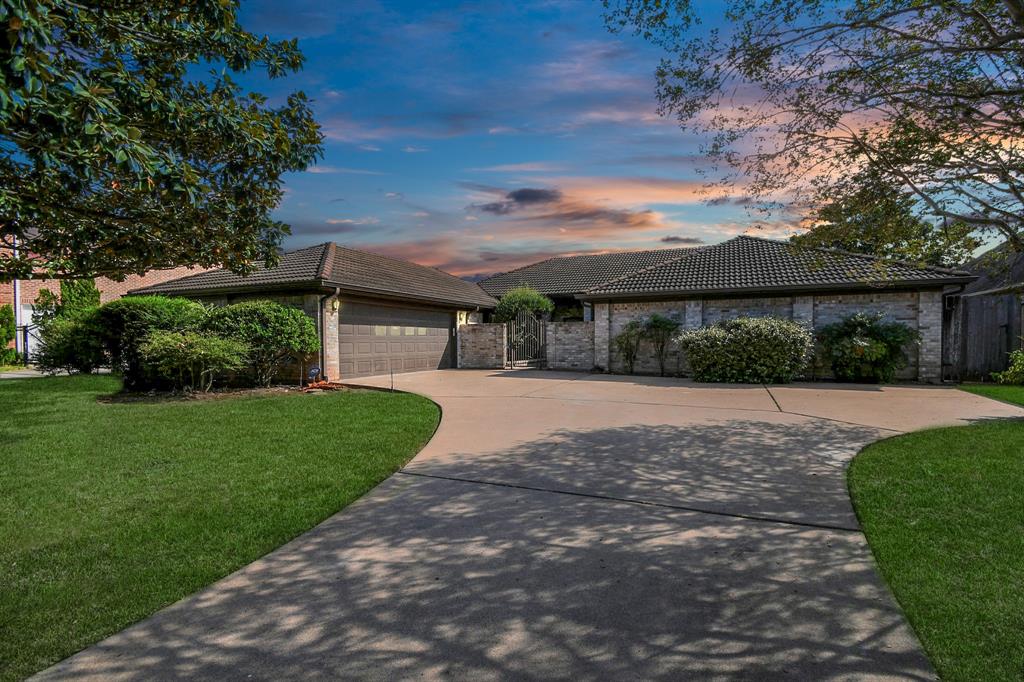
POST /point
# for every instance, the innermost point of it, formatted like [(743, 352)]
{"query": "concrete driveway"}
[(577, 526)]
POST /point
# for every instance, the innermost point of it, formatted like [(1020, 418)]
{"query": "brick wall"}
[(482, 346), (918, 310), (570, 345)]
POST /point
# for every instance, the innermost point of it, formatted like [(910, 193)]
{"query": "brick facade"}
[(920, 310), (570, 345), (482, 346)]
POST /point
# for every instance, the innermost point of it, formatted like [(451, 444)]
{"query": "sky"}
[(482, 136)]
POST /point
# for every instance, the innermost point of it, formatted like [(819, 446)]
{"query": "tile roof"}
[(756, 265), (567, 275), (332, 265)]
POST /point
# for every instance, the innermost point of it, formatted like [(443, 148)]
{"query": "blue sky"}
[(481, 136)]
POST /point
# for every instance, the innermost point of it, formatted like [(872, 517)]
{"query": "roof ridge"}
[(865, 256), (593, 255), (326, 267), (397, 260), (645, 270)]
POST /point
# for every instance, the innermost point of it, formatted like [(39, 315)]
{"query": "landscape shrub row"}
[(862, 347), (158, 342)]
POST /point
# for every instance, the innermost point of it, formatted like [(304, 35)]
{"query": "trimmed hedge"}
[(123, 326), (71, 343), (275, 335), (748, 350), (191, 361)]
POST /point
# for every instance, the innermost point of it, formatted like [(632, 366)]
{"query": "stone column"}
[(602, 340), (803, 311), (929, 326), (694, 314)]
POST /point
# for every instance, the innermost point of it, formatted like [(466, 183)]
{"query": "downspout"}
[(18, 342), (322, 326)]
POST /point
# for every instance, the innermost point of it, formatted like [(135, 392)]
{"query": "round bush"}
[(192, 360), (747, 350), (70, 343), (274, 333), (123, 326), (519, 299), (863, 348)]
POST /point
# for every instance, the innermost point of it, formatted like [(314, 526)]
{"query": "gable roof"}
[(330, 265), (754, 264), (1000, 270), (569, 275)]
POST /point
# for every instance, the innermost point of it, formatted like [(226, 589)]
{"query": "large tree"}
[(802, 98), (125, 144)]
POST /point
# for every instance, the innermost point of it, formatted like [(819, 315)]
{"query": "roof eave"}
[(391, 295), (156, 290), (736, 291)]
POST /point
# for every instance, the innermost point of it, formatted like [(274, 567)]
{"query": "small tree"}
[(627, 343), (660, 331), (275, 334), (76, 295), (520, 299)]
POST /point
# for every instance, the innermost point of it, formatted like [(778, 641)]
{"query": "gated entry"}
[(527, 343)]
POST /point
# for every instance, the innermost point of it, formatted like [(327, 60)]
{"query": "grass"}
[(111, 511), (1005, 392), (943, 511), (11, 368)]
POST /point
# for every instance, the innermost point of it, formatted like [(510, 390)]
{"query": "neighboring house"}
[(377, 314), (986, 321), (374, 314)]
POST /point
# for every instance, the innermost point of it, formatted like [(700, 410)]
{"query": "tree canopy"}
[(801, 99), (119, 155)]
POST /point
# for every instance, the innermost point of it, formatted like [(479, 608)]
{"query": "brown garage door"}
[(381, 339)]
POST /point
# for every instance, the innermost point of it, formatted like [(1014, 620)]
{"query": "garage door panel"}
[(379, 339)]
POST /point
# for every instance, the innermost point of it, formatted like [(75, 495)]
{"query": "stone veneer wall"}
[(570, 345), (919, 310), (482, 346)]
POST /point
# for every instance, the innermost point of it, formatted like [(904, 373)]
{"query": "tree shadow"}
[(429, 577)]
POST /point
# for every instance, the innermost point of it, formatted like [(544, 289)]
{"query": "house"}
[(985, 322), (374, 314), (377, 314)]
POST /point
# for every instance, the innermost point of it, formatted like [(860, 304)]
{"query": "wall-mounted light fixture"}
[(335, 304)]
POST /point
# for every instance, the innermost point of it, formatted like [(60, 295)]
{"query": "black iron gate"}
[(527, 341)]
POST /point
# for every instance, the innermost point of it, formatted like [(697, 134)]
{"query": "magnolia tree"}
[(803, 101), (117, 158)]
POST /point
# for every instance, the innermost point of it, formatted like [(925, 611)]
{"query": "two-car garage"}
[(378, 339)]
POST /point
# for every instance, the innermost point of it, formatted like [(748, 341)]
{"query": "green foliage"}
[(75, 295), (874, 216), (123, 325), (863, 348), (747, 350), (71, 343), (120, 153), (8, 333), (519, 299), (275, 334), (659, 331), (627, 343), (191, 360), (1014, 374)]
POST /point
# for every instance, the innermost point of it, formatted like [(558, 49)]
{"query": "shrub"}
[(76, 295), (520, 299), (124, 324), (275, 334), (1015, 372), (192, 360), (71, 343), (863, 348), (660, 331), (748, 350), (627, 343), (8, 332)]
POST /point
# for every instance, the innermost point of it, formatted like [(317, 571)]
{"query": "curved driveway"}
[(577, 526)]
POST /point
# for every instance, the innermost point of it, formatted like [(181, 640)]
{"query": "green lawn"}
[(110, 511), (1006, 393), (943, 511)]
